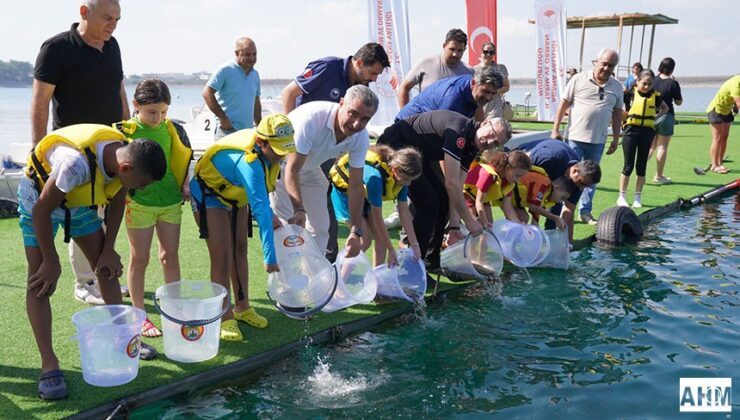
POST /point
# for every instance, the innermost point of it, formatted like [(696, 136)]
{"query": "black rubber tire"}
[(618, 225), (8, 208)]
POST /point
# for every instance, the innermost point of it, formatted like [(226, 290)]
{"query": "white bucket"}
[(303, 286), (522, 244), (110, 343), (406, 281), (474, 257), (559, 255), (293, 240), (191, 319), (356, 283)]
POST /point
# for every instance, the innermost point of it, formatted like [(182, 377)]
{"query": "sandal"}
[(230, 331), (721, 170), (52, 385), (148, 329), (252, 318)]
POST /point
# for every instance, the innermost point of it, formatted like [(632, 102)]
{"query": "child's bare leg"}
[(241, 264), (39, 314), (219, 249), (92, 246), (168, 235), (140, 244)]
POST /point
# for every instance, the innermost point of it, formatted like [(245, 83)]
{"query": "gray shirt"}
[(429, 70), (590, 110)]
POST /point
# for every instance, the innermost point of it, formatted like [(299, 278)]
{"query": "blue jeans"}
[(587, 151)]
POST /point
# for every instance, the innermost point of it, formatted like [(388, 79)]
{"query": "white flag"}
[(550, 18), (389, 27)]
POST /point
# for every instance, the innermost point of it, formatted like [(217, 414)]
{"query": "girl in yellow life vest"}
[(490, 181), (239, 170), (639, 130), (387, 174), (158, 206)]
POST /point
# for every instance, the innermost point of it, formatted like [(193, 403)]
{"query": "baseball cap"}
[(278, 131)]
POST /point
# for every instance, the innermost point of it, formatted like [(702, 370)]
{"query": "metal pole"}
[(629, 55), (642, 41), (650, 54), (583, 38), (619, 44)]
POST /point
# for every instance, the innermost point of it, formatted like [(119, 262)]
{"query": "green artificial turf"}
[(19, 364)]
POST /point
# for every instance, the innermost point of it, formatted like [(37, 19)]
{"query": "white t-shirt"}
[(591, 107), (69, 167), (313, 123)]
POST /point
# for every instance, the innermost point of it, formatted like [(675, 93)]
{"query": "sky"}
[(187, 36)]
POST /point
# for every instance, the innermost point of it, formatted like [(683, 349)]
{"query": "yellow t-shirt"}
[(725, 97)]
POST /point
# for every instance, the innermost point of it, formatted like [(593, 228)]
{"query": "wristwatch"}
[(356, 230)]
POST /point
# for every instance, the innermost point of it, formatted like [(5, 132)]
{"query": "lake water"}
[(609, 338), (15, 106)]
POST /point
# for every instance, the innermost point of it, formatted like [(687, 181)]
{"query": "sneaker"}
[(589, 219), (147, 352), (662, 180), (89, 293), (636, 205), (622, 202), (393, 221), (124, 290)]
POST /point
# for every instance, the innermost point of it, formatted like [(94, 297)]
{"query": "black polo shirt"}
[(434, 134), (87, 81)]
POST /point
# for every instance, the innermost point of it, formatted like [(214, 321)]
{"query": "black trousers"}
[(332, 247), (636, 143), (432, 205)]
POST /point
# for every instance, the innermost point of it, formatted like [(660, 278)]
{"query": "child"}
[(158, 206), (490, 181), (69, 172), (639, 130), (240, 170), (387, 174), (538, 194)]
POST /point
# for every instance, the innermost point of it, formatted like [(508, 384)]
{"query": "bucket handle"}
[(191, 323), (305, 314)]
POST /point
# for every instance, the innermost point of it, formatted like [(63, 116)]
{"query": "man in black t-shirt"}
[(81, 71), (452, 140)]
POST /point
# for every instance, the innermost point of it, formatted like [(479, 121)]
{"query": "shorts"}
[(84, 221), (139, 216), (715, 118), (196, 198), (340, 202), (664, 125)]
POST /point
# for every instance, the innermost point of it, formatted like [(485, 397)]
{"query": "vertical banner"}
[(389, 27), (550, 18), (481, 27)]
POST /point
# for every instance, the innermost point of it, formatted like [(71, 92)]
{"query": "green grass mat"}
[(19, 364)]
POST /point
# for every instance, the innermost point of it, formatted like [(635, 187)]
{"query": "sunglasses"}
[(488, 52), (601, 93)]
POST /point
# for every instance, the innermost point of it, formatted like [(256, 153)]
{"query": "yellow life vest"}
[(534, 187), (84, 138), (339, 175), (207, 175), (642, 112), (499, 189), (180, 152)]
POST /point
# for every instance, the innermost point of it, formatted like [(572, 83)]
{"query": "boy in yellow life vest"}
[(491, 180), (240, 170), (537, 194), (157, 206), (639, 131), (69, 172), (387, 174)]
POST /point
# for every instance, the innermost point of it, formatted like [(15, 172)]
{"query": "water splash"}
[(420, 310), (328, 388)]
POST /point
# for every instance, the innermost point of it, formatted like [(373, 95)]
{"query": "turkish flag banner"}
[(481, 27)]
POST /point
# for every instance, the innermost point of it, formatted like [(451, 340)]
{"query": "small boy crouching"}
[(70, 172), (536, 193)]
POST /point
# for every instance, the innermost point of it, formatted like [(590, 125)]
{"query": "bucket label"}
[(134, 346), (292, 241), (191, 332)]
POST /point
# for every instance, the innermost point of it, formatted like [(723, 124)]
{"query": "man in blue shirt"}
[(233, 91), (463, 94), (327, 79)]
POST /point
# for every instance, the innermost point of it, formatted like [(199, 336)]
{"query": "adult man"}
[(323, 131), (455, 140), (233, 91), (593, 98), (465, 94), (495, 107), (431, 69), (721, 112), (558, 159), (327, 79), (81, 69)]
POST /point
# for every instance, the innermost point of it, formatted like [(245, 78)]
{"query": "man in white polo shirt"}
[(594, 98), (323, 131)]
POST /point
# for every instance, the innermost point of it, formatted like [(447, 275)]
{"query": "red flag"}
[(481, 26)]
